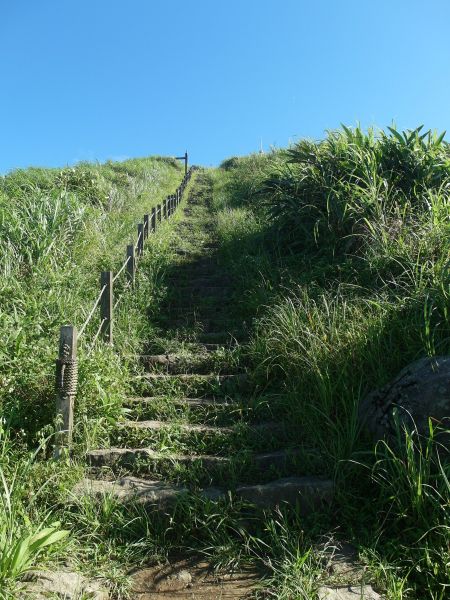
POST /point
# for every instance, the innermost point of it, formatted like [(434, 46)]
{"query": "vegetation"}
[(342, 250), (339, 254), (60, 228)]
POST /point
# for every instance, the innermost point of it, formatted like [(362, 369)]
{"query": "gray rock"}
[(126, 489), (41, 585), (310, 493), (364, 592), (174, 582), (419, 392)]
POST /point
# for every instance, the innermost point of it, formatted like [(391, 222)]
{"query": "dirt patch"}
[(193, 580)]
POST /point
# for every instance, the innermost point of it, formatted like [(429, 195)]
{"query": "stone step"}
[(243, 463), (268, 427), (185, 363), (195, 280), (154, 425), (220, 410), (206, 324), (213, 439), (308, 494), (189, 402), (222, 336), (190, 384)]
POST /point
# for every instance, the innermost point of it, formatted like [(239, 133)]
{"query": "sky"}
[(113, 79)]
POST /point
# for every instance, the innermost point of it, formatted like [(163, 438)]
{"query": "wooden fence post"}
[(159, 213), (106, 306), (131, 264), (153, 221), (146, 221), (140, 243), (66, 388), (165, 209)]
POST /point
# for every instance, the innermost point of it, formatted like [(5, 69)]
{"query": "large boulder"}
[(419, 392)]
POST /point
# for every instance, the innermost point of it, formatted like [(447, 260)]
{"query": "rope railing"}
[(91, 314), (66, 364), (122, 295), (122, 268), (94, 339)]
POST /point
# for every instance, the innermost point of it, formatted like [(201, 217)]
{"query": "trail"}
[(197, 423)]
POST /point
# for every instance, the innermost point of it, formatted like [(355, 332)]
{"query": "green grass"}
[(341, 248), (338, 252)]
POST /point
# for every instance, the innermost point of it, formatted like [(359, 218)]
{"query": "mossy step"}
[(221, 411), (308, 494), (186, 363), (190, 402), (222, 337), (190, 384), (191, 438), (268, 427), (150, 461), (213, 278)]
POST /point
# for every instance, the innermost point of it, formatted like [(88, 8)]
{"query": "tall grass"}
[(59, 230), (342, 249)]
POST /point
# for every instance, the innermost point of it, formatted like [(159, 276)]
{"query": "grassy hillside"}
[(59, 229), (342, 249), (336, 255)]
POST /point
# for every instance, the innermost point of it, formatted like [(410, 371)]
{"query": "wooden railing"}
[(66, 364)]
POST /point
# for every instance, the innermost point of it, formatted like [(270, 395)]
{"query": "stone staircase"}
[(196, 422)]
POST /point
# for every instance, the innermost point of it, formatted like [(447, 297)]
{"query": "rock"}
[(419, 392), (131, 489), (360, 592), (174, 582), (41, 585), (309, 493), (342, 564)]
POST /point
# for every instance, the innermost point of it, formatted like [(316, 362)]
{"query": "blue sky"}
[(99, 79)]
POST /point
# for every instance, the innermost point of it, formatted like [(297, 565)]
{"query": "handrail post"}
[(66, 388), (131, 264), (140, 243), (106, 306), (146, 221), (185, 162), (153, 221)]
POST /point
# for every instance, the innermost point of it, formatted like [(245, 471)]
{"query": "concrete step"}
[(190, 384), (154, 425), (213, 439), (195, 279), (218, 411), (308, 494), (187, 363), (222, 336), (150, 460)]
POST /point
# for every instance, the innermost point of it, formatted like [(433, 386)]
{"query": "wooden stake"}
[(146, 222), (153, 221), (131, 265), (106, 306), (66, 388), (140, 244)]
